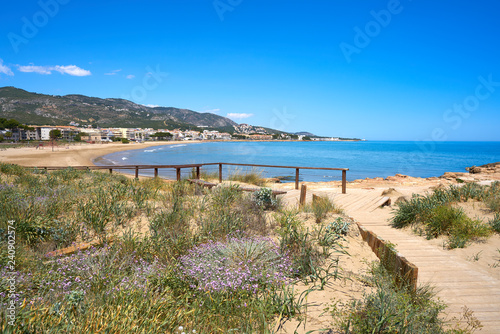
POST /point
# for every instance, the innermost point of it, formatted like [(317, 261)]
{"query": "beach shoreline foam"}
[(81, 154)]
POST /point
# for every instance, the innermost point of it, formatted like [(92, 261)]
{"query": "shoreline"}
[(84, 154)]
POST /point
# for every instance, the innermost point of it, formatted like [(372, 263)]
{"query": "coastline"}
[(82, 154), (78, 154)]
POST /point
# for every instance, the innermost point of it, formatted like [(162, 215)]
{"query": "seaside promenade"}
[(457, 282)]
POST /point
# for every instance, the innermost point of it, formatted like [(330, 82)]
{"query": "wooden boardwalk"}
[(458, 282)]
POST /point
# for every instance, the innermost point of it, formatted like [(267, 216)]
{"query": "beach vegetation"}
[(265, 199), (254, 176), (435, 214), (204, 175), (393, 307), (320, 207), (495, 223), (165, 256)]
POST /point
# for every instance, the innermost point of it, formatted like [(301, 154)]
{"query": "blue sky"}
[(381, 70)]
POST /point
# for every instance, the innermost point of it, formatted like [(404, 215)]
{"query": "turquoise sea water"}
[(364, 159)]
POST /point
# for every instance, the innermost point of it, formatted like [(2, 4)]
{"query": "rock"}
[(402, 176), (449, 175), (273, 180), (474, 170), (392, 178)]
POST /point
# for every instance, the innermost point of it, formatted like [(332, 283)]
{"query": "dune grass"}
[(435, 215), (393, 307), (320, 207), (142, 283), (254, 176), (207, 261)]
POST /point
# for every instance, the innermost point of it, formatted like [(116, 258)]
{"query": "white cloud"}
[(5, 69), (72, 70), (130, 76), (239, 115), (67, 69), (152, 105), (34, 69), (113, 72), (212, 110)]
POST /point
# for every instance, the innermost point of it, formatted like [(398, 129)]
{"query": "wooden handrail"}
[(178, 168)]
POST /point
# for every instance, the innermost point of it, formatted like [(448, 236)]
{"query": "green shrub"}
[(441, 219), (264, 198), (11, 169), (493, 202), (338, 227), (495, 223), (437, 216), (447, 220), (393, 308)]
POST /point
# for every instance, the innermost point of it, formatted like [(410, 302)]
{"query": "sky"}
[(381, 70)]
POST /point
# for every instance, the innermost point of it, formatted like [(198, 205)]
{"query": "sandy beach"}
[(71, 155)]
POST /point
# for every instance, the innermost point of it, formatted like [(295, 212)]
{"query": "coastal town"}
[(90, 134)]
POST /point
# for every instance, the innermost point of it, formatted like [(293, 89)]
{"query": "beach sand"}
[(70, 155)]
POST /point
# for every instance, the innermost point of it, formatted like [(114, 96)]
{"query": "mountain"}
[(303, 133), (39, 109)]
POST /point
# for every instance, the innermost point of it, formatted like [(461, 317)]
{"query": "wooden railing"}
[(197, 167)]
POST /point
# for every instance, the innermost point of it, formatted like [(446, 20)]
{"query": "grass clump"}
[(320, 207), (435, 215), (396, 308), (204, 175), (495, 223), (254, 176), (309, 250)]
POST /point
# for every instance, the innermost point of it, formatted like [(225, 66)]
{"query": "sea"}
[(364, 159)]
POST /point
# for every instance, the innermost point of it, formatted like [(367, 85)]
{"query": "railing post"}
[(178, 170), (303, 191), (136, 172), (111, 171), (156, 172), (296, 178), (198, 172), (344, 181), (220, 173)]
